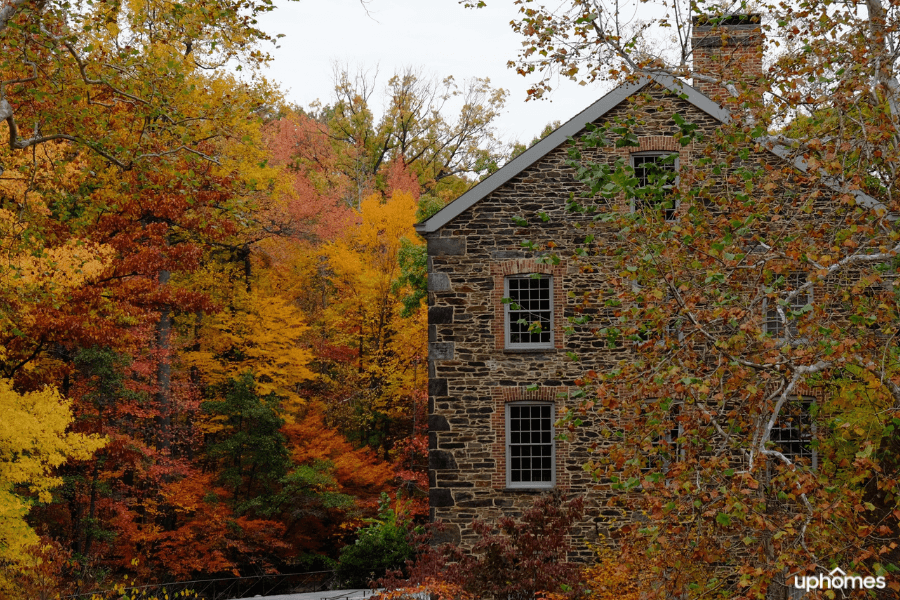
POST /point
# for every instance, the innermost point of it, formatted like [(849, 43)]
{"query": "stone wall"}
[(472, 375)]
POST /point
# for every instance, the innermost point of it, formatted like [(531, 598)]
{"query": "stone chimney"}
[(727, 47)]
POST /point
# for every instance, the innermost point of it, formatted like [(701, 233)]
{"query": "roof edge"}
[(801, 164), (530, 156), (573, 126)]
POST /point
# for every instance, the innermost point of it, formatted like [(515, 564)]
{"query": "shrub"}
[(382, 546), (516, 559)]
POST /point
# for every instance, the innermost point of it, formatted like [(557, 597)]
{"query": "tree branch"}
[(7, 11)]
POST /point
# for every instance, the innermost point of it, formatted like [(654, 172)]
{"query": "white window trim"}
[(674, 183), (810, 299), (526, 485), (508, 344)]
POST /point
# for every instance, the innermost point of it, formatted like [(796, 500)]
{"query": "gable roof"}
[(593, 113)]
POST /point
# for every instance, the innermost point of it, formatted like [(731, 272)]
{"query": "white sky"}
[(440, 36)]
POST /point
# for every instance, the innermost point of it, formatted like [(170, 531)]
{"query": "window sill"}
[(527, 490), (530, 350)]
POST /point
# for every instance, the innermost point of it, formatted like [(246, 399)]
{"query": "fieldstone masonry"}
[(473, 376)]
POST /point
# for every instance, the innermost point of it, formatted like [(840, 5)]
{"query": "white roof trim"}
[(862, 199), (591, 114)]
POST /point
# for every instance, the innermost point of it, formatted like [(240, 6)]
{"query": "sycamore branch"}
[(760, 441), (799, 372), (211, 159), (18, 143), (8, 10), (711, 338)]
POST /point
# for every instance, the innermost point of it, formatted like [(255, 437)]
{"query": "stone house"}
[(495, 388)]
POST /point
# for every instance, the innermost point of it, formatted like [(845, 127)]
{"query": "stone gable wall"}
[(472, 375)]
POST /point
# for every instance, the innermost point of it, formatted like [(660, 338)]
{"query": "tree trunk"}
[(164, 372), (92, 509)]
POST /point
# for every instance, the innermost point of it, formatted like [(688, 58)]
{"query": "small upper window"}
[(529, 311), (656, 173), (774, 325)]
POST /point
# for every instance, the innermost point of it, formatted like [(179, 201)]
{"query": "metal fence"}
[(226, 588)]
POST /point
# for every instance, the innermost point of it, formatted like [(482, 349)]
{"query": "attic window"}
[(656, 173)]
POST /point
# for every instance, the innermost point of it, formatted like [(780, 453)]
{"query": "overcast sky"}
[(440, 36)]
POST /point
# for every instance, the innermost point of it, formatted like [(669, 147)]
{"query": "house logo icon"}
[(837, 579)]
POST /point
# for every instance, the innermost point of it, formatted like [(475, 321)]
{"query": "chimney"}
[(727, 47)]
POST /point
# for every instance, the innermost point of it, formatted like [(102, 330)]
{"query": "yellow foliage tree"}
[(259, 331), (365, 311), (33, 441)]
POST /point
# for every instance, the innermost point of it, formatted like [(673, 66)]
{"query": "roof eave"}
[(592, 113), (559, 137)]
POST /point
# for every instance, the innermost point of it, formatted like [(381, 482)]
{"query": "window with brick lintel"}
[(530, 445), (529, 311), (656, 173)]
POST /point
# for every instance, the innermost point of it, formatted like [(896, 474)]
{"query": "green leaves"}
[(252, 450)]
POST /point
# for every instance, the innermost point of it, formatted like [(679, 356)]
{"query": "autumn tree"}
[(384, 349), (33, 442), (752, 306), (125, 71), (523, 557), (315, 208), (415, 129)]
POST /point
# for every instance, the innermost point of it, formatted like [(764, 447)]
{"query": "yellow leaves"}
[(67, 266), (368, 256), (365, 269), (33, 441), (260, 332), (383, 224), (30, 178)]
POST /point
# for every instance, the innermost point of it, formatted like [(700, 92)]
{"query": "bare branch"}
[(177, 150)]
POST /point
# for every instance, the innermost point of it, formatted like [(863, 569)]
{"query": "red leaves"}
[(513, 558)]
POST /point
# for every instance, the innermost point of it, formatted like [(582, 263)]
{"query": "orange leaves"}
[(358, 471), (313, 206), (611, 578), (204, 536)]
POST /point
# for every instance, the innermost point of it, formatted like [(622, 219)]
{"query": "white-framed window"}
[(665, 445), (794, 431), (530, 445), (656, 173), (773, 324), (529, 311)]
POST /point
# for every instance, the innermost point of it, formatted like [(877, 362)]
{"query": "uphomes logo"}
[(838, 580)]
